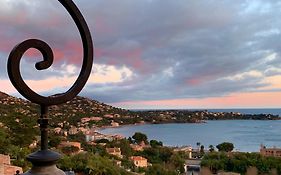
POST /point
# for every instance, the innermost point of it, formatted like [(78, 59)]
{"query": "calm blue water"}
[(246, 135)]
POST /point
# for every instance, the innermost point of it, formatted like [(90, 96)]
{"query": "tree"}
[(4, 141), (178, 162), (70, 150), (157, 169), (155, 143), (202, 149), (102, 141), (18, 156), (79, 137), (125, 147), (211, 148), (198, 146), (225, 146), (90, 164), (130, 140), (54, 141), (139, 137)]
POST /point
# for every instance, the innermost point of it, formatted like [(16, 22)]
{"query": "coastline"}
[(100, 128), (120, 126)]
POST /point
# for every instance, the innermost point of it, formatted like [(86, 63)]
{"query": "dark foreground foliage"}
[(240, 162)]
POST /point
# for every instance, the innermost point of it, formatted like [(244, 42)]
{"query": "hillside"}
[(84, 112), (70, 113), (18, 118), (3, 95)]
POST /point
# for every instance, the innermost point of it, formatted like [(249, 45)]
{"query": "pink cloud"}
[(131, 57), (193, 81), (237, 100)]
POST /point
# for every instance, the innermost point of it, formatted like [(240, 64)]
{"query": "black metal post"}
[(43, 122)]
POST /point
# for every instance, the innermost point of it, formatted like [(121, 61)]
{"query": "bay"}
[(246, 135)]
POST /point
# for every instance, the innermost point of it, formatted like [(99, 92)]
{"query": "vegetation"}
[(240, 162), (225, 146), (155, 143), (90, 164), (139, 137), (19, 129)]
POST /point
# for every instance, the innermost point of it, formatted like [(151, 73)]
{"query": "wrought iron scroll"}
[(18, 51), (15, 76)]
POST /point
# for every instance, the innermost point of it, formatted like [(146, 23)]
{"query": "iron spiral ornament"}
[(48, 57), (43, 161)]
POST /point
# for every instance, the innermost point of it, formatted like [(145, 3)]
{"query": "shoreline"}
[(150, 123)]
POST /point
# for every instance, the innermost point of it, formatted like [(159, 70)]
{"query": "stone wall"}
[(1, 169), (5, 159), (11, 170), (5, 166)]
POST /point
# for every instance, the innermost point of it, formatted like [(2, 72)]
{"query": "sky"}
[(153, 54)]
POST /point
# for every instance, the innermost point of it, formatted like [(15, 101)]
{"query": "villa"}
[(275, 152), (139, 161), (114, 151)]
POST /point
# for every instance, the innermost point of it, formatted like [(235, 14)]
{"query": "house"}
[(108, 116), (94, 136), (85, 120), (35, 142), (73, 130), (118, 163), (136, 147), (274, 152), (88, 119), (139, 161), (186, 149), (5, 159), (114, 124), (57, 130), (96, 119), (114, 151), (5, 166), (70, 148), (139, 147)]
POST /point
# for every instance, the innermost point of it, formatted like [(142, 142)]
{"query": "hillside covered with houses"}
[(83, 116), (74, 133), (83, 113)]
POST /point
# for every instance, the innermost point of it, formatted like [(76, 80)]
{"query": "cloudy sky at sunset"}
[(154, 53)]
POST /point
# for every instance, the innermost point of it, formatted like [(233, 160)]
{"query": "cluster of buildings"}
[(6, 168), (93, 136), (138, 161), (273, 152)]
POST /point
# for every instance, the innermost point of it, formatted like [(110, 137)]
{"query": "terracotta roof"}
[(138, 158)]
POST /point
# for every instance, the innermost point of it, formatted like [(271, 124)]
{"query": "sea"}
[(246, 135)]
